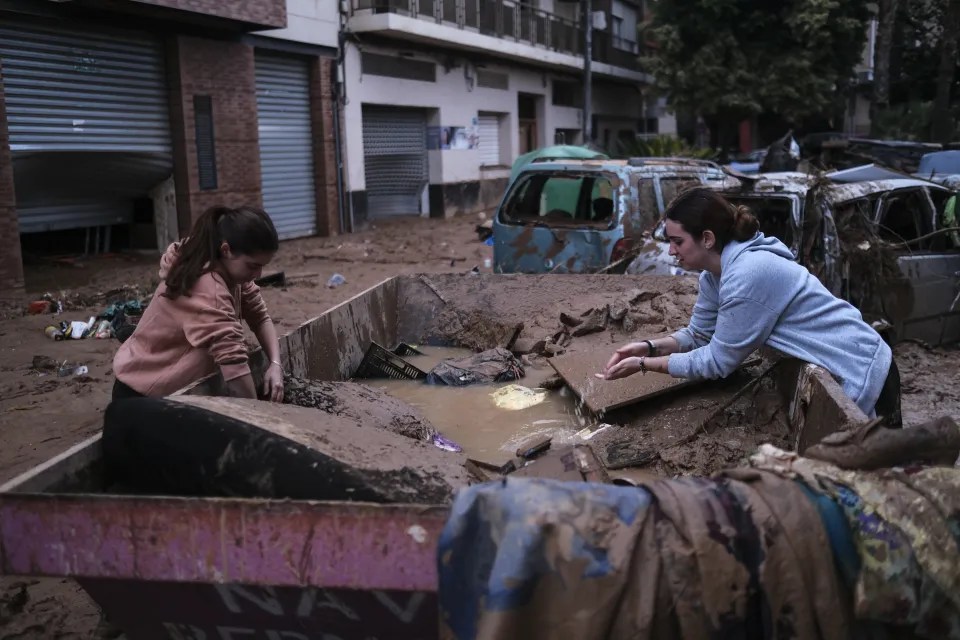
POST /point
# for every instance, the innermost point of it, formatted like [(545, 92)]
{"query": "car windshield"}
[(563, 199)]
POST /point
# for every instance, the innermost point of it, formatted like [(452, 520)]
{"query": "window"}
[(567, 94), (206, 150), (376, 64), (563, 199), (671, 187), (623, 27), (647, 196), (904, 215), (492, 79)]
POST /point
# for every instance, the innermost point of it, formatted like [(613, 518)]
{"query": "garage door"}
[(88, 120), (394, 160), (286, 144), (489, 132)]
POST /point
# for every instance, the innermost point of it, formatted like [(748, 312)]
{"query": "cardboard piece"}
[(578, 370)]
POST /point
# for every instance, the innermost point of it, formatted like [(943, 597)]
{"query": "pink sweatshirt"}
[(180, 341)]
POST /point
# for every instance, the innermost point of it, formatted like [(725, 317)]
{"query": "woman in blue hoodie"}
[(753, 293)]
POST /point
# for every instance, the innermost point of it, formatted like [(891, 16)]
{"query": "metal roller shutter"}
[(489, 131), (82, 104), (394, 160), (286, 144)]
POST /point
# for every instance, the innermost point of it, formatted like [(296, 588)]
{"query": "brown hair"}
[(700, 209), (247, 230)]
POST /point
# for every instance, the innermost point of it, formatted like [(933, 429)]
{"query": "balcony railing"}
[(507, 19)]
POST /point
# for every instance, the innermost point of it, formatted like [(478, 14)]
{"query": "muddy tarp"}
[(486, 367), (795, 549), (906, 527), (689, 558)]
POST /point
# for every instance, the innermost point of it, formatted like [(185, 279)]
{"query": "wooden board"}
[(578, 368)]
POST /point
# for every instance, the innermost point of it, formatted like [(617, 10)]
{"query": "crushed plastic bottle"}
[(335, 281)]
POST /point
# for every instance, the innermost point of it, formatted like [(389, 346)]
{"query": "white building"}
[(440, 96)]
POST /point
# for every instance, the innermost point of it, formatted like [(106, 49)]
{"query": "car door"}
[(922, 303)]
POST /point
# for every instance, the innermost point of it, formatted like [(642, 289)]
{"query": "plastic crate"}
[(404, 349), (378, 362)]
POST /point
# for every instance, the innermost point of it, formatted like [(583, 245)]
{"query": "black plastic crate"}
[(378, 362), (404, 349)]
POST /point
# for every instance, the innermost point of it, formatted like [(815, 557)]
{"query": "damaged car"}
[(884, 245), (579, 216)]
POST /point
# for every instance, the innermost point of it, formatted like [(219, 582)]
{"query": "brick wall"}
[(322, 76), (266, 13), (225, 72), (11, 265)]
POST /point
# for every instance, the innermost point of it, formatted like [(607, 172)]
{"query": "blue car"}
[(579, 216)]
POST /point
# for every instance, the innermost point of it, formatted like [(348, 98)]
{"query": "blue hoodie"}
[(763, 297)]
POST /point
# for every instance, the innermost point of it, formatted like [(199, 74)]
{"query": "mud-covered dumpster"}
[(198, 568)]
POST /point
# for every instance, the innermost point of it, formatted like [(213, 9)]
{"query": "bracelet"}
[(278, 364), (643, 367), (651, 348)]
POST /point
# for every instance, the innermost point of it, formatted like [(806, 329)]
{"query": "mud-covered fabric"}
[(493, 365), (906, 527), (689, 558)]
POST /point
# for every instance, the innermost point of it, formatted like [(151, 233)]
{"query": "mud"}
[(360, 403), (192, 445)]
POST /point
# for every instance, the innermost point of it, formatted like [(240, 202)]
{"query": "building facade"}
[(121, 122), (440, 96)]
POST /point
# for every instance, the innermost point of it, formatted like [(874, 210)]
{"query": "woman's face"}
[(691, 253), (242, 268)]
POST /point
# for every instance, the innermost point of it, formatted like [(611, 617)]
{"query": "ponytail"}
[(745, 224), (246, 229)]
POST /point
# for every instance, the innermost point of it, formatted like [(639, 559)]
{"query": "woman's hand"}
[(273, 383), (634, 349), (623, 368)]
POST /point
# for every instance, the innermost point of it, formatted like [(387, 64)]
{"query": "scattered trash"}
[(493, 365), (44, 363), (40, 306), (533, 446), (864, 246), (55, 332), (516, 397), (587, 433), (404, 349), (72, 370), (379, 363), (335, 281), (128, 307), (103, 330), (277, 279), (447, 445)]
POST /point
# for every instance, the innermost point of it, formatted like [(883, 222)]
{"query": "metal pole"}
[(587, 72)]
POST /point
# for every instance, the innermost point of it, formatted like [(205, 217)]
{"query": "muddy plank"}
[(578, 368), (205, 446)]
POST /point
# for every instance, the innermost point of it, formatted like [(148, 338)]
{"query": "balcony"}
[(505, 28)]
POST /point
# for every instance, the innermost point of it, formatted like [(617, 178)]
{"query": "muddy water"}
[(470, 417)]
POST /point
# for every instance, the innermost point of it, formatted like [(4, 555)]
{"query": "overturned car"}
[(887, 246)]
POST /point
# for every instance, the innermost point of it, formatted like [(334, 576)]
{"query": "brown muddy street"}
[(43, 414)]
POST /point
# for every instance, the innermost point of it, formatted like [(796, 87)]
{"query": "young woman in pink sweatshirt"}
[(192, 325)]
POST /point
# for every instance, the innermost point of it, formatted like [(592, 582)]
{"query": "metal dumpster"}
[(230, 568)]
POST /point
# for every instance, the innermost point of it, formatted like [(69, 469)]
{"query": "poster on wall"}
[(453, 138)]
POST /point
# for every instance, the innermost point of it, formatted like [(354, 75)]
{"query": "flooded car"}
[(881, 244), (579, 216)]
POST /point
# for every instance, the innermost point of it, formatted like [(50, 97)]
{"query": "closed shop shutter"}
[(489, 130), (286, 144), (394, 160), (87, 111)]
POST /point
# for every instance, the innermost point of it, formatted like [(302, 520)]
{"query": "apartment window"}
[(376, 64), (206, 151), (492, 79), (623, 26), (567, 94)]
